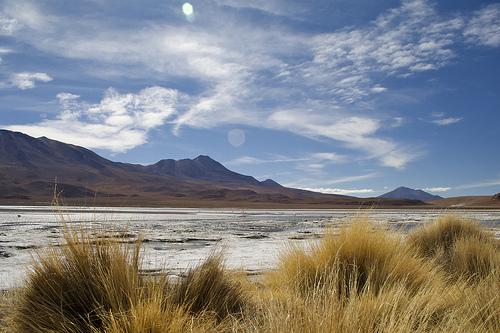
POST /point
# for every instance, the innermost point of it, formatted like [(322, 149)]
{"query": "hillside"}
[(469, 201), (29, 168)]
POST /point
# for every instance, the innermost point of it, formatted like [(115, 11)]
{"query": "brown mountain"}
[(478, 201), (409, 193), (29, 168)]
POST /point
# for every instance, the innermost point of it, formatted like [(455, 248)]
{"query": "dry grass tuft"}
[(443, 233), (154, 315), (460, 246), (210, 288), (8, 300), (70, 288), (360, 259)]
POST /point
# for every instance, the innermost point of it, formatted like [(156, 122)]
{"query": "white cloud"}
[(340, 191), (119, 122), (27, 80), (330, 157), (27, 14), (318, 85), (317, 183), (486, 183), (4, 50), (7, 25), (254, 160), (350, 179), (437, 189), (397, 121), (378, 89), (400, 42), (355, 132), (314, 158), (276, 7), (446, 121), (484, 26)]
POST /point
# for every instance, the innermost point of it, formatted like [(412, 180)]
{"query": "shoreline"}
[(238, 205)]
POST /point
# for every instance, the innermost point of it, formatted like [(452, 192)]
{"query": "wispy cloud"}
[(403, 41), (327, 182), (254, 160), (350, 179), (479, 184), (341, 191), (484, 26), (355, 132), (277, 7), (328, 157), (378, 89), (118, 122), (317, 85), (4, 50), (485, 183), (27, 80), (446, 121), (7, 25), (437, 189)]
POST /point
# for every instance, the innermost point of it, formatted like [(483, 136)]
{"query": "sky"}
[(352, 97)]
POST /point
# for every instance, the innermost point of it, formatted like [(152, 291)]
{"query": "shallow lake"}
[(176, 239)]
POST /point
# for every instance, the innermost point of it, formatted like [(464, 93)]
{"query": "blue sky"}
[(343, 96)]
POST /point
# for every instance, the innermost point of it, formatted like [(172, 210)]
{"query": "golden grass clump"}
[(8, 300), (361, 258), (393, 309), (93, 284), (155, 315), (460, 246), (70, 288), (210, 288)]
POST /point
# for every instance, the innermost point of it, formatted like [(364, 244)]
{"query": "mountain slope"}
[(478, 201), (200, 168), (29, 168), (411, 194)]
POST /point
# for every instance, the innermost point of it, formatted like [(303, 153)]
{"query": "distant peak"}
[(204, 158), (270, 182), (165, 160), (403, 192), (207, 161)]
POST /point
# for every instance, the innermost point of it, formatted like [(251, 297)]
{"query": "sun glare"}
[(187, 9)]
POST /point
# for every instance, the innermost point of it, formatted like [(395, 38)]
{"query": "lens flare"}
[(236, 137), (187, 9)]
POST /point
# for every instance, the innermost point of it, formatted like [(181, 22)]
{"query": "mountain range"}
[(31, 168)]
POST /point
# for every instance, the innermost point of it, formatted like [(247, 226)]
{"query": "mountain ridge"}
[(31, 167), (404, 192)]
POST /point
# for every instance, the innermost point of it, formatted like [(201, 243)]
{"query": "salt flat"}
[(177, 239)]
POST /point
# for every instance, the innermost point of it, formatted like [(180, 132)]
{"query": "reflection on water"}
[(180, 238)]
